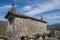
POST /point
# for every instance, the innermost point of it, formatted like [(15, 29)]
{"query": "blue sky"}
[(49, 9)]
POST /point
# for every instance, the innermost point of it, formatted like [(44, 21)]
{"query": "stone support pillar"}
[(40, 38), (31, 39), (46, 37), (26, 38)]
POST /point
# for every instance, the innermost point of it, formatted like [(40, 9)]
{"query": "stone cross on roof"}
[(41, 17), (13, 8)]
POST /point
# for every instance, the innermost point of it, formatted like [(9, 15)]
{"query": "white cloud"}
[(27, 8), (7, 6), (53, 17), (53, 4), (15, 0), (4, 7)]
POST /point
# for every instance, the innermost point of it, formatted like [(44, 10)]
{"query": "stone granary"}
[(22, 27)]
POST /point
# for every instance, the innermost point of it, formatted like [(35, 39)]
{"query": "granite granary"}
[(22, 27)]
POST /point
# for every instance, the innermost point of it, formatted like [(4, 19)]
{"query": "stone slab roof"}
[(23, 16)]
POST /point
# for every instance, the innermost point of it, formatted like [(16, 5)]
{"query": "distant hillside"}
[(54, 25), (3, 25), (52, 29)]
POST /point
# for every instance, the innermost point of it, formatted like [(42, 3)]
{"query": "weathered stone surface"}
[(24, 27)]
